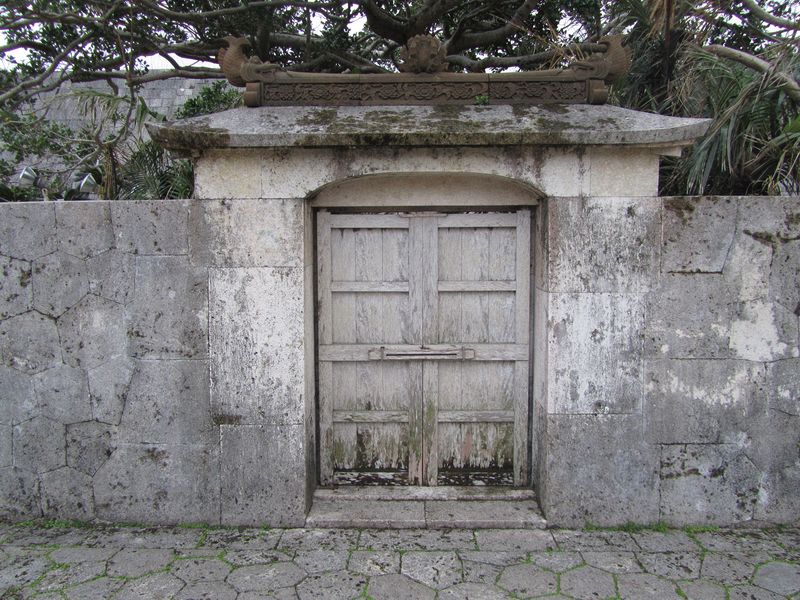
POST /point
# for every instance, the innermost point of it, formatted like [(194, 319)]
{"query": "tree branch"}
[(523, 60), (465, 40), (770, 18), (382, 23), (786, 81)]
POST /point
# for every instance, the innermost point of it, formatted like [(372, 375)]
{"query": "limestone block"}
[(168, 403), (230, 174), (151, 227), (17, 397), (594, 355), (747, 269), (59, 283), (294, 173), (262, 475), (603, 244), (785, 275), (169, 315), (108, 387), (27, 229), (541, 247), (111, 276), (689, 316), (29, 343), (702, 401), (256, 341), (778, 500), (769, 217), (39, 445), (5, 446), (783, 386), (84, 228), (554, 171), (92, 332), (159, 484), (698, 233), (89, 445), (623, 172), (712, 484), (599, 469), (67, 494), (16, 292), (764, 331), (63, 394), (247, 233), (19, 494)]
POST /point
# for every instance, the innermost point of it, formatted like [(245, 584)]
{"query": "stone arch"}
[(417, 189)]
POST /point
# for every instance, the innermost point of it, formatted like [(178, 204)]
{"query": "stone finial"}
[(231, 59), (423, 54)]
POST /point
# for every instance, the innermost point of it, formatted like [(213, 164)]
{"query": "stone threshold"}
[(425, 508)]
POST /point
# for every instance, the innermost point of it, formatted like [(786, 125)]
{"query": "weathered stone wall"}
[(669, 379), (132, 337), (157, 357)]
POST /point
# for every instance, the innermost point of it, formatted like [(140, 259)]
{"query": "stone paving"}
[(52, 561)]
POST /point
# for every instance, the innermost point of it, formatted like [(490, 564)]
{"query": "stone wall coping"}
[(503, 125)]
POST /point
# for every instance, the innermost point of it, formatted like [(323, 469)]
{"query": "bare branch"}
[(770, 18), (786, 81), (524, 60), (487, 38), (200, 16)]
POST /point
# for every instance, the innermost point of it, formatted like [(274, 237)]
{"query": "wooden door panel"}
[(423, 347)]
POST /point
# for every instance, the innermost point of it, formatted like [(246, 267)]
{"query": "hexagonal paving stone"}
[(587, 583), (613, 561), (244, 558), (514, 539), (293, 540), (133, 562), (208, 590), (417, 539), (702, 590), (160, 586), (731, 569), (751, 592), (338, 585), (527, 580), (398, 587), (367, 562), (196, 570), (640, 586), (557, 561), (244, 539), (672, 565), (434, 569), (97, 589), (320, 561), (779, 577), (70, 576), (266, 577), (473, 591), (17, 397)]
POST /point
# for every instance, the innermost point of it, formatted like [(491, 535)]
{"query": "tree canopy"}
[(733, 60)]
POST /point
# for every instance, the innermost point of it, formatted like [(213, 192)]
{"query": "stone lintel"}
[(501, 125)]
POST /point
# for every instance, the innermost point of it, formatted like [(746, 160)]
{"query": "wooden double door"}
[(424, 325)]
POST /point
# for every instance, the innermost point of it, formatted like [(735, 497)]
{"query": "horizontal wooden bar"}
[(361, 352), (378, 287), (370, 416), (476, 416), (477, 286), (479, 220), (368, 222)]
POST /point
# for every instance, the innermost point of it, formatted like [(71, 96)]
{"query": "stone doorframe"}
[(409, 191)]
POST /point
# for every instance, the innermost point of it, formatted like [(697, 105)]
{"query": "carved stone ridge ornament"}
[(423, 80)]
